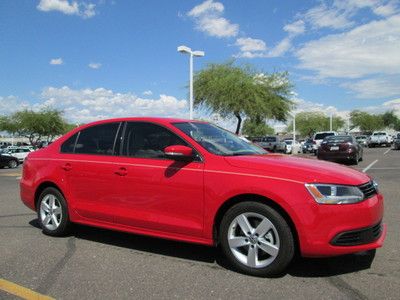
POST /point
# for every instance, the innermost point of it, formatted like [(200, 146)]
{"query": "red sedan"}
[(195, 182)]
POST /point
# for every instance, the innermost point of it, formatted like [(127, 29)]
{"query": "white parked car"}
[(19, 152), (379, 138), (318, 138), (292, 148)]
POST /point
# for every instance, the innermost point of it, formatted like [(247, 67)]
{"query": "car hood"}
[(298, 169)]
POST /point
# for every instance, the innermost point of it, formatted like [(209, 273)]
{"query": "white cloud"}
[(94, 65), (56, 61), (281, 48), (82, 9), (248, 48), (86, 105), (383, 87), (249, 44), (11, 104), (147, 93), (386, 9), (393, 105), (206, 7), (323, 16), (368, 49), (295, 28), (208, 19)]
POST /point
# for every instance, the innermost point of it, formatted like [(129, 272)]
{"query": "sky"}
[(111, 58)]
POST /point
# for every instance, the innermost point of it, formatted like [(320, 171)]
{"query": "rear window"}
[(271, 139), (379, 133), (321, 136), (339, 139)]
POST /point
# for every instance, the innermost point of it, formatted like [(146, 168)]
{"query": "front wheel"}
[(53, 212), (256, 239), (12, 164)]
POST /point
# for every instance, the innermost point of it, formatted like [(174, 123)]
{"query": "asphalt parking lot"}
[(96, 263)]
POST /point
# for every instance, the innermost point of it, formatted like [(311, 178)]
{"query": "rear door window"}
[(98, 139), (69, 145)]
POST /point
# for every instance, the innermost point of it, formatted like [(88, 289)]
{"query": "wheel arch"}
[(42, 186), (253, 198)]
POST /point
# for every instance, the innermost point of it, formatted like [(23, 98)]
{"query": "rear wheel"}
[(53, 212), (12, 164), (256, 239)]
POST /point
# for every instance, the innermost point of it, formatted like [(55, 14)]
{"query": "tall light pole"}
[(293, 114), (330, 121), (187, 50)]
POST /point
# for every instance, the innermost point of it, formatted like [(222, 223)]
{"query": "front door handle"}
[(66, 167), (121, 171)]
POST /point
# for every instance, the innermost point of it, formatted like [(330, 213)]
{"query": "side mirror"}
[(178, 152)]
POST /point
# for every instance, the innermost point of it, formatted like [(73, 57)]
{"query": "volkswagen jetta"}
[(195, 182)]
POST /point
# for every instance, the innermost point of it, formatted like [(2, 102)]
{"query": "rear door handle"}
[(121, 171), (67, 167)]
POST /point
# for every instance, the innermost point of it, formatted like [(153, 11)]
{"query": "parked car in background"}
[(8, 161), (19, 152), (195, 182), (307, 146), (270, 143), (379, 138), (340, 148), (362, 140), (291, 147), (396, 142), (4, 145), (318, 138)]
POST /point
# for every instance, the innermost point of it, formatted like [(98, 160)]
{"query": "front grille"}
[(358, 237), (368, 189)]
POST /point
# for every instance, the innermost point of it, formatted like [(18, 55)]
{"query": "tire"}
[(276, 237), (52, 212), (12, 164)]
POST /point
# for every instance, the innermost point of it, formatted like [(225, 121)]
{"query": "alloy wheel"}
[(50, 212), (253, 240)]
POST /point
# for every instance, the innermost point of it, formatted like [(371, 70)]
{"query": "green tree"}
[(241, 92), (35, 125), (307, 123), (366, 121), (389, 119), (256, 128)]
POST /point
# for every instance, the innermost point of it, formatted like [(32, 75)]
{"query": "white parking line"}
[(369, 166), (387, 151)]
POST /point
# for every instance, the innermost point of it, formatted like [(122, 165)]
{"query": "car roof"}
[(144, 119)]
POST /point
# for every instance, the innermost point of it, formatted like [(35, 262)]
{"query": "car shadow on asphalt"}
[(300, 267)]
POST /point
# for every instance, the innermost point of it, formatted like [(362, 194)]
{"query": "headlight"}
[(335, 194), (375, 186)]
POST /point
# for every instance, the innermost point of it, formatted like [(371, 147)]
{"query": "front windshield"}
[(217, 140)]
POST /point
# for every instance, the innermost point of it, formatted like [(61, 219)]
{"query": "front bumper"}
[(318, 235)]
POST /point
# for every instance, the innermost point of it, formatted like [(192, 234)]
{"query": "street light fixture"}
[(187, 50)]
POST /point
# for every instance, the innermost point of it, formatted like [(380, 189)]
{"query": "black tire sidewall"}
[(63, 228), (287, 244)]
